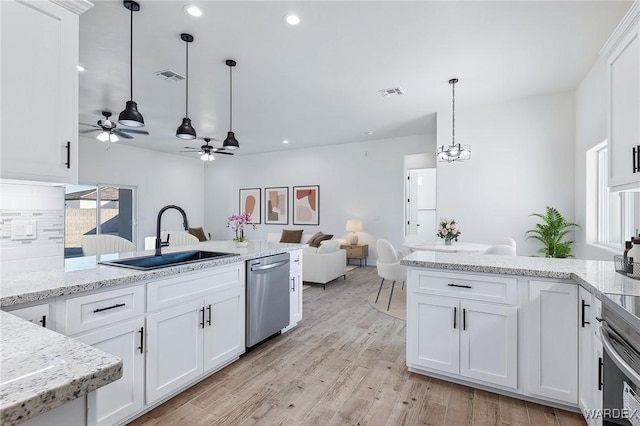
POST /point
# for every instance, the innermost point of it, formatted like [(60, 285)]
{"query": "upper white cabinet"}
[(622, 51), (39, 89)]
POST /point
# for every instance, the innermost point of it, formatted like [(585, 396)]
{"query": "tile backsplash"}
[(31, 227)]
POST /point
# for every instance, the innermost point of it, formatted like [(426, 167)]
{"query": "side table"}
[(356, 251)]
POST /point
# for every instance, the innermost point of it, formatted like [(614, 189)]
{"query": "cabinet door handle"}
[(584, 305), (464, 319), (600, 368), (202, 322), (141, 347), (118, 305), (68, 163), (636, 159), (297, 260), (209, 315), (455, 317), (43, 321), (459, 285), (293, 283)]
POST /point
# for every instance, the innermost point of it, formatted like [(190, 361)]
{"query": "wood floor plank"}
[(344, 364)]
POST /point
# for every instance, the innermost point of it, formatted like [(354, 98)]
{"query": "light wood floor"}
[(344, 364)]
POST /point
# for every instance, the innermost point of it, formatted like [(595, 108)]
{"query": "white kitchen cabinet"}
[(39, 84), (224, 332), (553, 340), (41, 314), (475, 340), (295, 289), (586, 353), (623, 60), (120, 399)]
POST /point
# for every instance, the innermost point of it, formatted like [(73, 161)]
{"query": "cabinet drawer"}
[(465, 286), (99, 309), (295, 263), (183, 287)]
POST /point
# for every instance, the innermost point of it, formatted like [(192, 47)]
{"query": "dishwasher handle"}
[(269, 266)]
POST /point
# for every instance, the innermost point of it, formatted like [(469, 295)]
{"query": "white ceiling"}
[(317, 83)]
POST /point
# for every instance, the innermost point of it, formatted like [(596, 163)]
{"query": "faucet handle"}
[(165, 243)]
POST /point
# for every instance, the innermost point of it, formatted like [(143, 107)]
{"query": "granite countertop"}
[(597, 276), (83, 274), (41, 369)]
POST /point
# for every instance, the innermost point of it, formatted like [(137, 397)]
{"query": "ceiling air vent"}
[(396, 91), (170, 75)]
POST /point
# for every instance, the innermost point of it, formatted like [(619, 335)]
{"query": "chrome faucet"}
[(159, 242)]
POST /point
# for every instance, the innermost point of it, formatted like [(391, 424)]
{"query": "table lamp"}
[(354, 225)]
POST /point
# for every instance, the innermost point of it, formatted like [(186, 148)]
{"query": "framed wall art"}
[(276, 205), (250, 203), (306, 205)]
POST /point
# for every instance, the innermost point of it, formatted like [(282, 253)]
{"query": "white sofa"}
[(323, 264)]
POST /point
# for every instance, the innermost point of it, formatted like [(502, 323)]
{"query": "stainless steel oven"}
[(621, 360)]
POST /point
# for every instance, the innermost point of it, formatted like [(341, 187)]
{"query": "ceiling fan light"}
[(103, 136), (186, 131), (130, 116), (113, 138), (230, 142), (207, 157)]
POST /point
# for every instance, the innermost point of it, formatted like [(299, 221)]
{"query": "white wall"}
[(522, 161), (43, 205), (160, 179), (357, 180)]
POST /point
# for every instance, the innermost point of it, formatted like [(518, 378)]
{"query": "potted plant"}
[(237, 222), (448, 231), (551, 233)]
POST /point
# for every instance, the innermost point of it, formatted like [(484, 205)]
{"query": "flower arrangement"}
[(449, 230), (237, 222)]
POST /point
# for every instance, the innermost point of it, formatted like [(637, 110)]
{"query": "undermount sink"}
[(168, 259)]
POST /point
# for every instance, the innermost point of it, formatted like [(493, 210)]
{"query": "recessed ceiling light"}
[(368, 132), (193, 10), (285, 141), (292, 19), (81, 68)]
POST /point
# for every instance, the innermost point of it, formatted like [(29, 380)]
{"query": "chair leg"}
[(379, 290), (403, 285), (391, 295)]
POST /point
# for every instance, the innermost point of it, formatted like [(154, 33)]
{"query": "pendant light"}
[(186, 131), (230, 142), (130, 116), (454, 152)]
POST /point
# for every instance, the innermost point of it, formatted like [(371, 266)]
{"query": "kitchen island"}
[(23, 392), (522, 326)]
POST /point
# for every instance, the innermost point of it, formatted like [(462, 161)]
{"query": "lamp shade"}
[(130, 116), (230, 142), (354, 225), (186, 131)]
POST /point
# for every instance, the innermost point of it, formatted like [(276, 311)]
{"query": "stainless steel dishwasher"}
[(267, 297)]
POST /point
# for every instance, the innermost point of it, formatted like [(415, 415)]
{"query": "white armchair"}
[(325, 263), (502, 249), (177, 238)]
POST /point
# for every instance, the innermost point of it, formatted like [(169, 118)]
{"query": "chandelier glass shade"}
[(455, 151)]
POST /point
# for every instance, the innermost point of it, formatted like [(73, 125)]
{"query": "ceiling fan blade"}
[(192, 148), (92, 130), (121, 134), (193, 152), (136, 131), (222, 152), (90, 125)]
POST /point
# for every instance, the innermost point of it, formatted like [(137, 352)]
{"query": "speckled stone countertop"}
[(597, 276), (83, 274), (42, 369)]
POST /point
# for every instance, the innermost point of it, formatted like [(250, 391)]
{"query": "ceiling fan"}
[(109, 131), (206, 151)]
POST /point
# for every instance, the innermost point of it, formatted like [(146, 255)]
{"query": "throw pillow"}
[(322, 237), (199, 233), (291, 236), (328, 247)]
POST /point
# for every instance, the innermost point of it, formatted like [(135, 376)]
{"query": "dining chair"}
[(506, 241), (502, 249), (93, 245), (178, 238), (389, 267)]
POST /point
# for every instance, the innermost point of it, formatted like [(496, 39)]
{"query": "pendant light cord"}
[(230, 98), (131, 55), (186, 108), (453, 106)]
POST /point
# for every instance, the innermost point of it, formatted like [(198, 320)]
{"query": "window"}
[(97, 209), (616, 211)]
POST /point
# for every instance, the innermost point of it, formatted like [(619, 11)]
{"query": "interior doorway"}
[(421, 203)]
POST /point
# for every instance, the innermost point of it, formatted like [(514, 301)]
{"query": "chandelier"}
[(455, 151)]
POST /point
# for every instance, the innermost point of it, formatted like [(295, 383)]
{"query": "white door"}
[(421, 203), (553, 315), (224, 327), (39, 84), (432, 332), (586, 353), (114, 402), (489, 343), (174, 348)]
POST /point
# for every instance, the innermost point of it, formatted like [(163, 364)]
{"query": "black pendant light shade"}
[(185, 130), (130, 116), (230, 142)]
